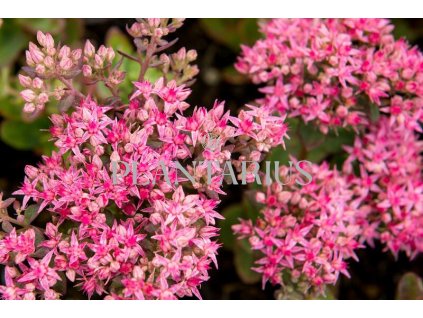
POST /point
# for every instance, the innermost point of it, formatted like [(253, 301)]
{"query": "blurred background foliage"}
[(217, 41)]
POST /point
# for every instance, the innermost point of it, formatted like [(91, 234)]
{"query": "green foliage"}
[(22, 135), (232, 32), (15, 35), (31, 213), (410, 287), (53, 26), (244, 260), (12, 42), (308, 143), (243, 255)]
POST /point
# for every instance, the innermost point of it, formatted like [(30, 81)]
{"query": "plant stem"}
[(70, 86), (151, 49)]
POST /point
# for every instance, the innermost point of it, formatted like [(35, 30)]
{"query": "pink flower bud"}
[(98, 61), (76, 54), (115, 156), (66, 64), (138, 273), (102, 51), (70, 274), (37, 83), (39, 107), (110, 54), (181, 54), (51, 51), (158, 33), (29, 59), (29, 108), (28, 95), (49, 62), (153, 22), (87, 70), (64, 52), (342, 111), (260, 197), (89, 49), (49, 41), (135, 30), (40, 69), (41, 38), (42, 98), (25, 80), (36, 54), (191, 55)]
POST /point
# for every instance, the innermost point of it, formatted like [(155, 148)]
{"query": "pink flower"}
[(307, 235), (390, 185), (317, 70)]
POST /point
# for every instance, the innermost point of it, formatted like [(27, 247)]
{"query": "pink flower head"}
[(329, 71)]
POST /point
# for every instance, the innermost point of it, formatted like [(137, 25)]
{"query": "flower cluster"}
[(331, 71), (125, 239), (123, 221), (390, 187), (98, 66), (46, 62), (338, 73), (306, 233)]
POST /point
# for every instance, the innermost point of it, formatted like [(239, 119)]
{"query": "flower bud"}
[(37, 83), (40, 69), (115, 156), (89, 49), (87, 70), (41, 38), (49, 41), (42, 98), (66, 64), (36, 54), (25, 80), (110, 54), (28, 95), (29, 108), (76, 55), (49, 62), (342, 111), (102, 51), (29, 59), (98, 61), (191, 55)]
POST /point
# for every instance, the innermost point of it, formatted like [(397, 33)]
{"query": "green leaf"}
[(12, 42), (244, 261), (232, 32), (232, 213), (23, 136), (319, 146), (332, 145), (53, 26), (153, 74), (410, 287), (118, 40), (74, 30), (31, 213), (10, 108), (374, 113)]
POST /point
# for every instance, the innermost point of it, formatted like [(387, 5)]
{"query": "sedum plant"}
[(148, 234), (338, 75), (127, 205)]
